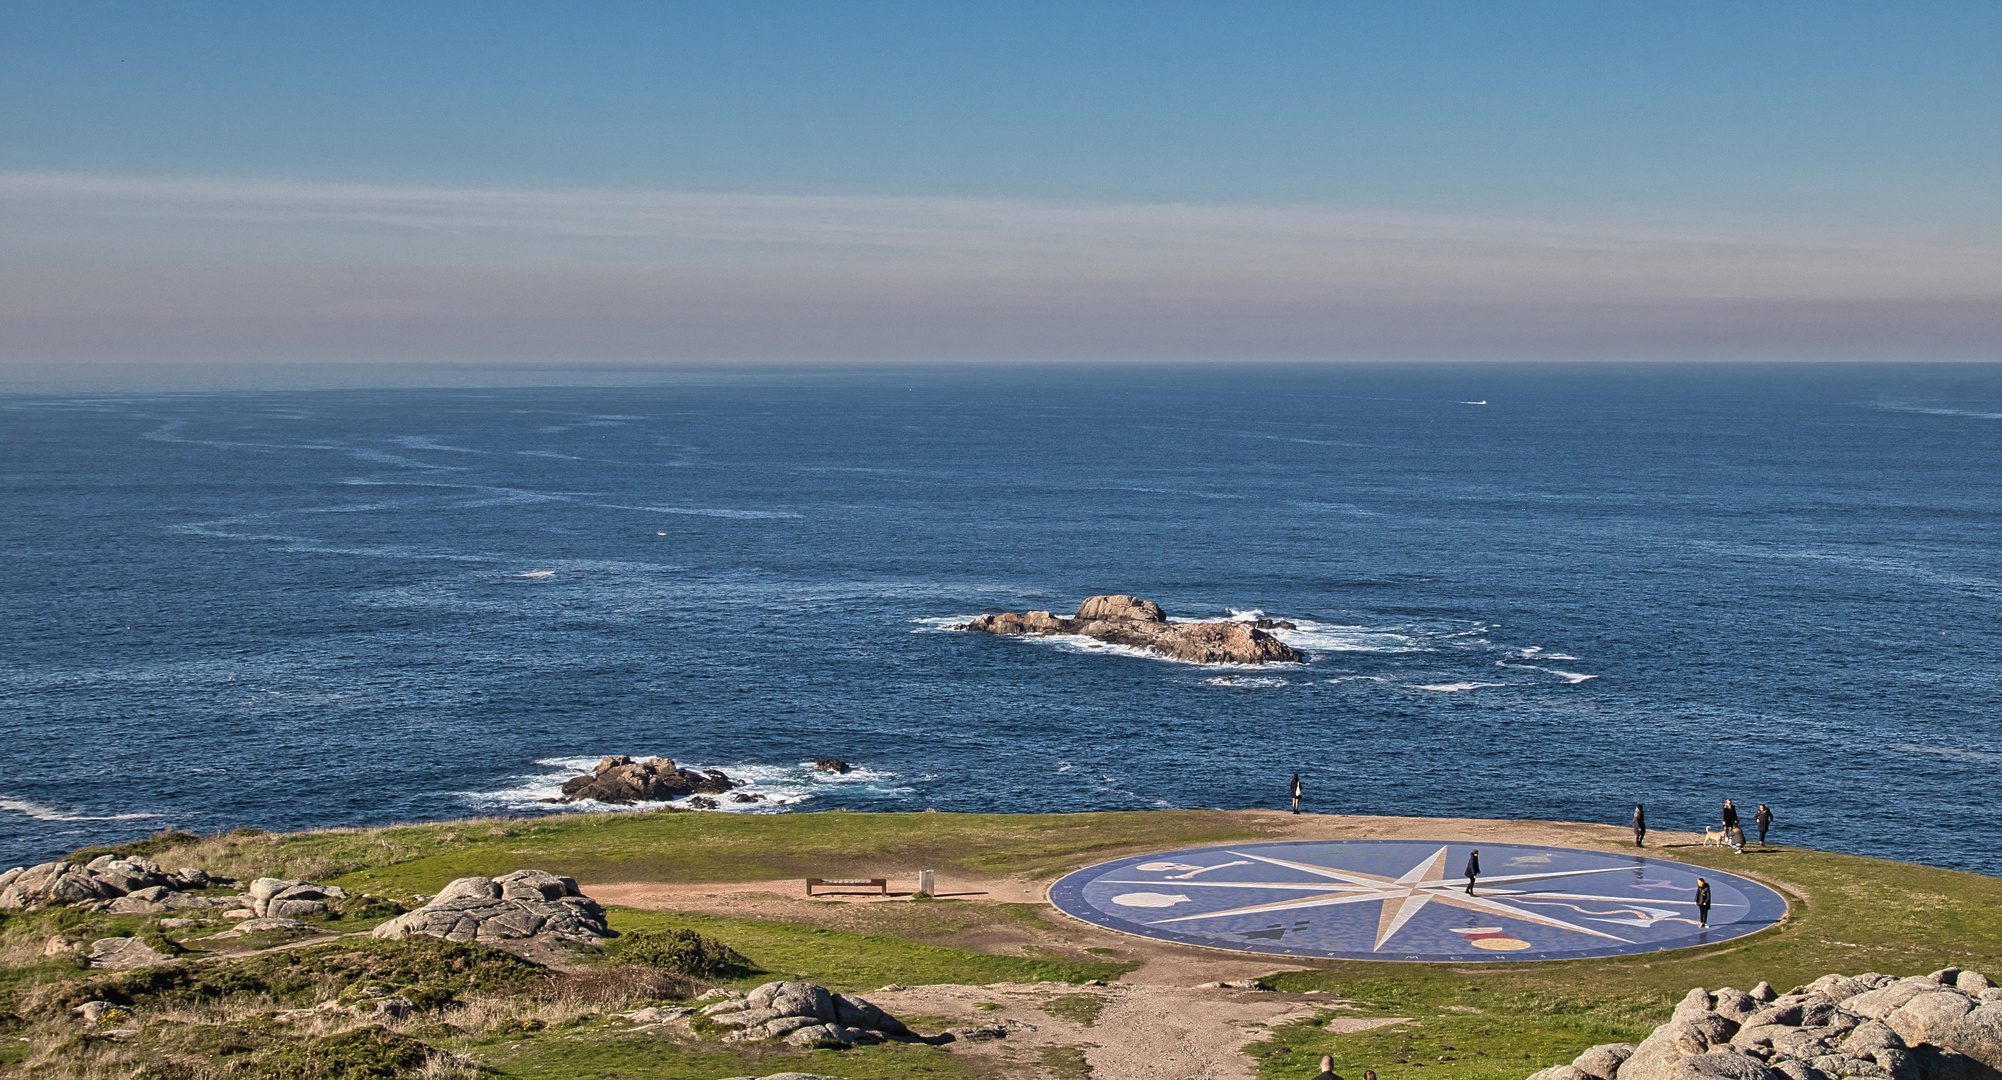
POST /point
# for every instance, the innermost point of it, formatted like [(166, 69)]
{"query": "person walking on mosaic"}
[(1640, 825), (1298, 791), (1473, 869), (1702, 902), (1763, 818)]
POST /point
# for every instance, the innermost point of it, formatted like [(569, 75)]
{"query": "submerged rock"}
[(1141, 624)]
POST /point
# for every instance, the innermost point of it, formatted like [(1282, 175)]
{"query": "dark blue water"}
[(1607, 584)]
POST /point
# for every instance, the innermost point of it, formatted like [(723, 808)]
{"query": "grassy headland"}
[(1493, 1022)]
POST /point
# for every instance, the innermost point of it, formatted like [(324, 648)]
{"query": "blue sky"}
[(796, 181)]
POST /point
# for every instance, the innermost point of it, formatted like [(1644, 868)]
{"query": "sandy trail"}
[(1156, 1024), (1141, 1032)]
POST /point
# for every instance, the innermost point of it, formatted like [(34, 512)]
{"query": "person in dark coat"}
[(1763, 818), (1297, 792), (1640, 825), (1327, 1070), (1730, 815), (1702, 902), (1473, 869)]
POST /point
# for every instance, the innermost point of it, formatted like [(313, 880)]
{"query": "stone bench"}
[(881, 885)]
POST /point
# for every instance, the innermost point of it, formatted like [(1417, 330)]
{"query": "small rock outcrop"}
[(526, 903), (622, 781), (1942, 1026), (1141, 624), (832, 765), (120, 953), (804, 1015), (107, 883), (282, 898)]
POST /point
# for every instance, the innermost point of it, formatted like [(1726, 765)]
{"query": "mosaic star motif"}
[(1402, 897)]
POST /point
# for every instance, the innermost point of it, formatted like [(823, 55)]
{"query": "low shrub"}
[(681, 951), (366, 1053), (427, 971), (367, 906), (159, 841), (517, 1025), (613, 987)]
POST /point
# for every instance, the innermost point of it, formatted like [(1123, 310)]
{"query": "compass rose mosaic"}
[(1408, 900)]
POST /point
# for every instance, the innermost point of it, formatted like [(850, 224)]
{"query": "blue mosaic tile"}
[(1409, 900)]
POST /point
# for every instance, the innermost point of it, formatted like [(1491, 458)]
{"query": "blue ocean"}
[(1525, 592)]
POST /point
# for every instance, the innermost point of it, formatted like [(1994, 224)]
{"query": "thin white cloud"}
[(293, 262)]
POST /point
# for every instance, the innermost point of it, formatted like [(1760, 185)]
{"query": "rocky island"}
[(1141, 624), (622, 781)]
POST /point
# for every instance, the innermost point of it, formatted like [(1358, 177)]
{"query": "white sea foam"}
[(1350, 509), (781, 787), (702, 511), (1359, 678), (1316, 637), (419, 442), (44, 813), (1947, 751), (1929, 411), (1572, 677), (948, 624), (538, 574), (1456, 687), (1248, 681)]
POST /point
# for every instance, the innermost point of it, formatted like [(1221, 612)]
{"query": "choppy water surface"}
[(1605, 584)]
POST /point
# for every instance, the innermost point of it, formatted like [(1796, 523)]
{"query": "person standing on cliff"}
[(1327, 1070), (1702, 902), (1730, 815), (1763, 818), (1640, 824), (1298, 791), (1473, 869)]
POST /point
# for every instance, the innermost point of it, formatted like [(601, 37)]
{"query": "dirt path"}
[(1156, 1023), (1139, 1032)]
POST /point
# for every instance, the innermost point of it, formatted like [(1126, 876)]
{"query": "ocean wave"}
[(44, 813), (1571, 677), (1947, 751), (1316, 637), (420, 442), (1924, 410), (947, 625), (1455, 687), (703, 511), (1252, 681), (780, 787)]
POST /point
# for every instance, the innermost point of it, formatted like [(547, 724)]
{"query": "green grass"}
[(1502, 1021), (1065, 1062), (848, 961), (594, 1056), (691, 847), (1481, 1047), (1848, 915), (1079, 1009)]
